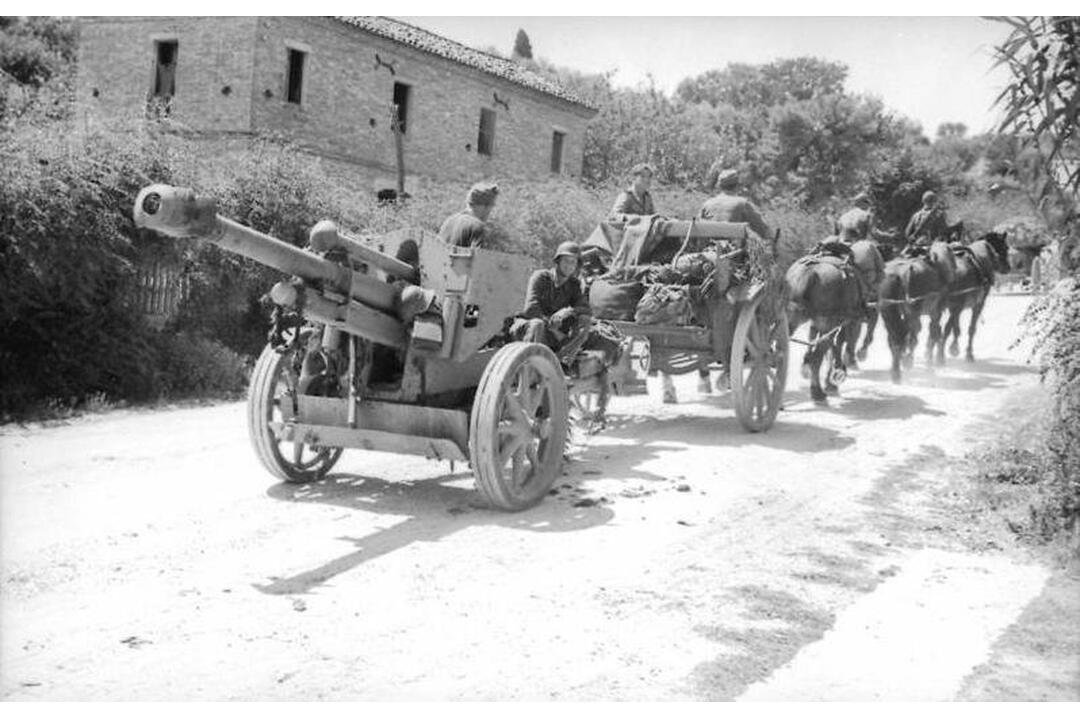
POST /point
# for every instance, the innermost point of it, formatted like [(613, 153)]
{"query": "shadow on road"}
[(689, 429), (434, 507), (978, 375)]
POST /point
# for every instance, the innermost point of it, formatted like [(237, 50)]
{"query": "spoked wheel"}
[(759, 357), (517, 430), (272, 399)]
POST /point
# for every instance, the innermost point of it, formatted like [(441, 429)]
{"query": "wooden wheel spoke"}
[(517, 466)]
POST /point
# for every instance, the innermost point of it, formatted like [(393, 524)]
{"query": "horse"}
[(870, 264), (976, 265), (823, 290), (913, 287)]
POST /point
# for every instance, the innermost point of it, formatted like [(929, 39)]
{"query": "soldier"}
[(728, 207), (469, 228), (858, 222), (928, 224), (634, 200), (554, 301)]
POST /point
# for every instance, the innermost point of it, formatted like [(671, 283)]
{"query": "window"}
[(556, 151), (401, 101), (165, 52), (296, 76), (485, 142)]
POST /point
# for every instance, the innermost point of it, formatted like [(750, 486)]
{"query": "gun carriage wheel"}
[(518, 426), (759, 358), (271, 404)]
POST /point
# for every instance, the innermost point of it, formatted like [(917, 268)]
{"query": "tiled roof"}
[(443, 47)]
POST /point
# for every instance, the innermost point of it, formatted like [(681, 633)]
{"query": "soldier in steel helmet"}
[(928, 224), (554, 301), (469, 227)]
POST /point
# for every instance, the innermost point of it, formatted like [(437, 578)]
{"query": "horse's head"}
[(996, 240), (955, 232), (941, 257)]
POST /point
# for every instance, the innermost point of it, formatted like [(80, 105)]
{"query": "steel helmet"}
[(568, 249), (929, 196)]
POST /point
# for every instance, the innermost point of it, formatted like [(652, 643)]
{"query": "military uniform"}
[(464, 229), (732, 208), (629, 203), (854, 225), (927, 225)]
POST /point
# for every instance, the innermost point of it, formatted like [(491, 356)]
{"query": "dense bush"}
[(1053, 324), (195, 365), (68, 251)]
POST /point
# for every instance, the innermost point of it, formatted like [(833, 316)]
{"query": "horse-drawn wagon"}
[(735, 314)]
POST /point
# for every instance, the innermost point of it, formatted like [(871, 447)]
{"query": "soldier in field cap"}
[(469, 227), (729, 207), (634, 200)]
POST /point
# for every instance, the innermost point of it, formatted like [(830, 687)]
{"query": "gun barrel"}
[(326, 236), (180, 213)]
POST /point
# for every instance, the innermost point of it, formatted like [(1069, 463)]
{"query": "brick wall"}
[(116, 70), (345, 109)]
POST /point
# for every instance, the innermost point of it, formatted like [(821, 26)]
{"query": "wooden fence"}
[(160, 290)]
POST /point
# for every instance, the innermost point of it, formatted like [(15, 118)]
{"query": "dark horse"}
[(870, 264), (825, 291), (976, 265), (913, 287)]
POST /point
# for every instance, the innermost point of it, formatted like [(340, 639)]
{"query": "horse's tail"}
[(892, 305)]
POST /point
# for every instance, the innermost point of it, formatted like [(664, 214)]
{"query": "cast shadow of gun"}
[(433, 507)]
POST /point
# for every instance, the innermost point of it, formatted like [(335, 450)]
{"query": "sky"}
[(931, 69), (932, 65)]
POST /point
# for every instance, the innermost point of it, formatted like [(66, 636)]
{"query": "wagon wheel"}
[(272, 399), (517, 430), (759, 357)]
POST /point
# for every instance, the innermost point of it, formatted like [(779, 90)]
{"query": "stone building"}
[(330, 84)]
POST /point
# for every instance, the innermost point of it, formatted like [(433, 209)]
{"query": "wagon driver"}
[(469, 227)]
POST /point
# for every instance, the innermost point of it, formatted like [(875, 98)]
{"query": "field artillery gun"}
[(397, 344)]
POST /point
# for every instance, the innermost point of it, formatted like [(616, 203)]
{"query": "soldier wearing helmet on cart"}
[(555, 304)]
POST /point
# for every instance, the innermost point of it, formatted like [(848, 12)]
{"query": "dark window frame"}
[(159, 47), (294, 76), (558, 144), (485, 139), (402, 95)]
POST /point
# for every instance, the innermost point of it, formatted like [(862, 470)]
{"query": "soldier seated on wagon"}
[(554, 303), (469, 227)]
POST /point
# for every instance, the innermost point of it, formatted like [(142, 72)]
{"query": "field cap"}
[(727, 178), (482, 193)]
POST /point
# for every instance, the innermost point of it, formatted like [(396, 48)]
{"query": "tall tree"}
[(522, 46), (1042, 102)]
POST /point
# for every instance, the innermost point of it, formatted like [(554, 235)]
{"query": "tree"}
[(522, 46), (952, 130), (742, 85), (1042, 102)]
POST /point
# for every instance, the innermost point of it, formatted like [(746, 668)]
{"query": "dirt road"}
[(147, 556)]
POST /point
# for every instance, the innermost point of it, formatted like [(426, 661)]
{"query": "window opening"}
[(556, 151), (296, 76), (485, 142), (401, 100)]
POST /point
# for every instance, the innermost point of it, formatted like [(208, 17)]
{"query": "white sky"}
[(933, 65), (931, 69)]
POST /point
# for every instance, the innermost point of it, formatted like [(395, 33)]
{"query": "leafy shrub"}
[(1052, 322), (68, 251), (194, 365)]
